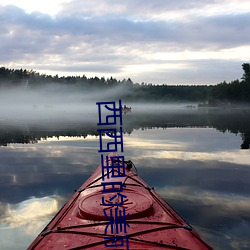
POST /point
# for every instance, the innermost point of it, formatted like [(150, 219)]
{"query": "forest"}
[(224, 93)]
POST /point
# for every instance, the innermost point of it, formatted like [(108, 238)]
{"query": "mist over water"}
[(60, 102), (60, 107), (55, 102)]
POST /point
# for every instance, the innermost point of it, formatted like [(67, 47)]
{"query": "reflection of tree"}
[(16, 137), (19, 134), (246, 141), (234, 121), (237, 122)]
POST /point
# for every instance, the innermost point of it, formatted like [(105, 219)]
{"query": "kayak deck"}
[(83, 222)]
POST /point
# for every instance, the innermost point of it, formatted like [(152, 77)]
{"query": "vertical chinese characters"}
[(113, 166)]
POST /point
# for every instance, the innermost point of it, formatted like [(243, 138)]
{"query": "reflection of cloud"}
[(187, 144), (228, 203), (56, 157), (144, 143), (25, 220), (2, 209), (154, 141), (70, 139), (29, 213), (222, 219), (225, 156)]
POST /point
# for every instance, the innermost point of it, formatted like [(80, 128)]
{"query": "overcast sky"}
[(154, 41)]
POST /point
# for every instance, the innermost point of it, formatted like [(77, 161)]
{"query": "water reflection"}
[(20, 222), (201, 174), (31, 210), (234, 121), (193, 161)]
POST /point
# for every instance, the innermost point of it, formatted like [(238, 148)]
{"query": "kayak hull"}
[(151, 223)]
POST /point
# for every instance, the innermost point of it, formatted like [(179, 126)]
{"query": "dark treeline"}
[(230, 120), (234, 92), (237, 91)]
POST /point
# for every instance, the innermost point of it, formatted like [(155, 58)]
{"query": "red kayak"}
[(92, 218)]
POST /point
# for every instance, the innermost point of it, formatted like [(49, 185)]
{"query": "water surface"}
[(193, 158)]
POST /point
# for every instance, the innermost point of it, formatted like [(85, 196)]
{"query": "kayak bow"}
[(153, 224)]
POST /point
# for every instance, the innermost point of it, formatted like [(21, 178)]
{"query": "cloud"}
[(97, 39), (144, 10)]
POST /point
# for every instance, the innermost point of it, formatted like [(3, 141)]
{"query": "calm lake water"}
[(197, 160)]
